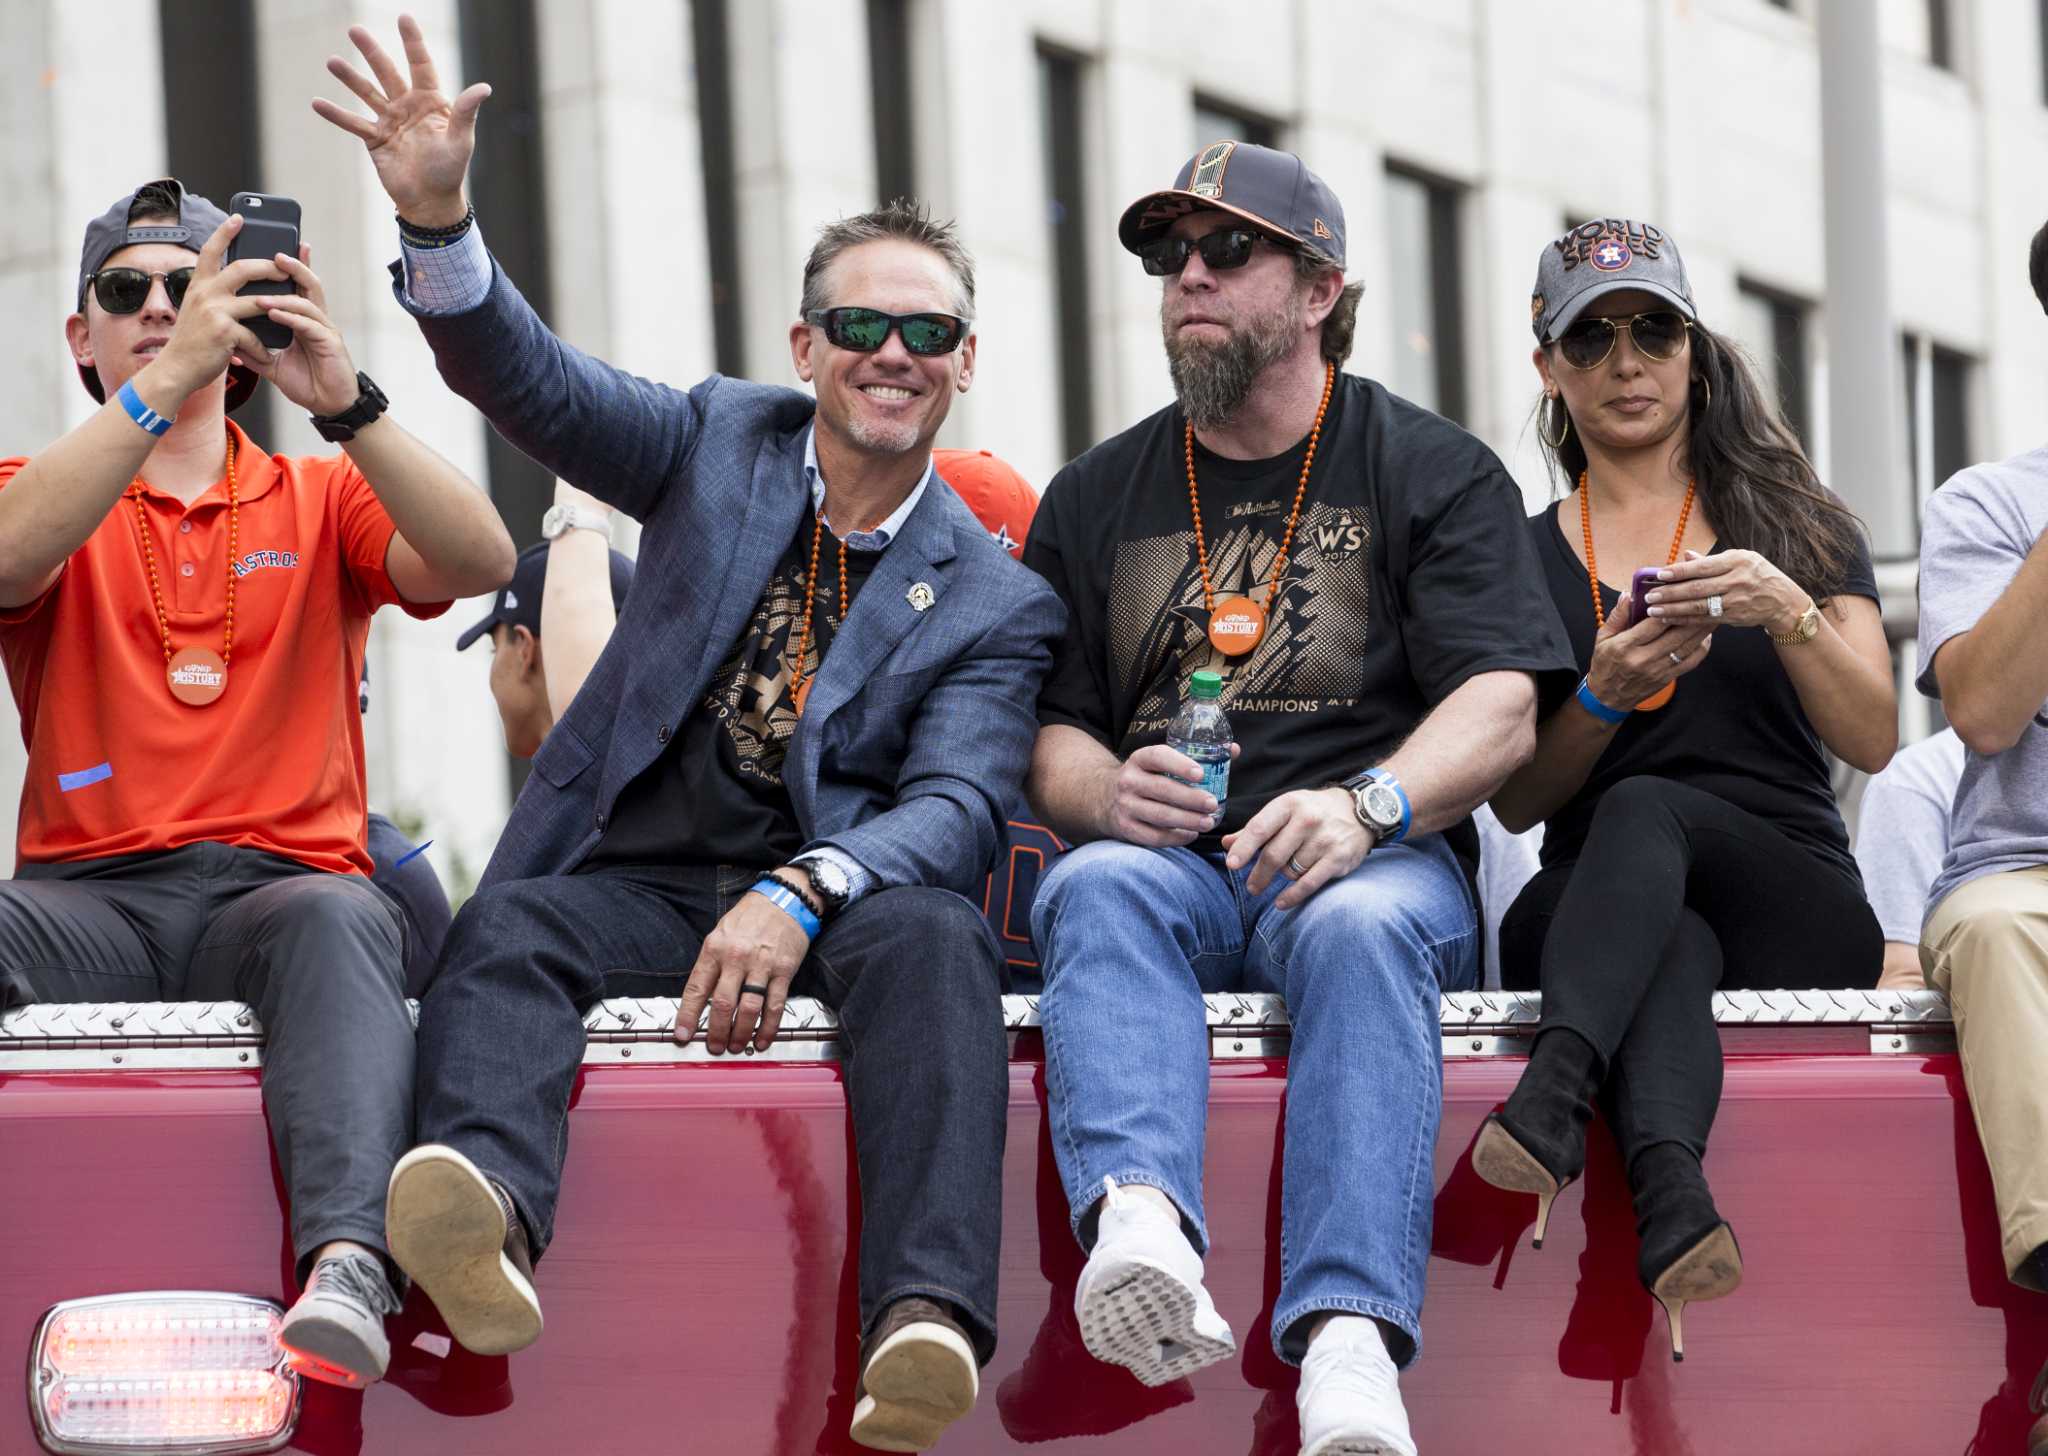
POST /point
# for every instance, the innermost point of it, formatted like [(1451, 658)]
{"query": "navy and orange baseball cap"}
[(517, 603), (1272, 190), (995, 490)]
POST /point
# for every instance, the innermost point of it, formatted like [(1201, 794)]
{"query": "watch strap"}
[(1807, 628), (369, 405)]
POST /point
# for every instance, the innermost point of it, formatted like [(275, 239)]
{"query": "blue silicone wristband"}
[(1385, 776), (1607, 715), (786, 899), (141, 413)]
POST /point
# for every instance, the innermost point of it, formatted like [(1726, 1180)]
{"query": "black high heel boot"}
[(1537, 1143), (1688, 1250)]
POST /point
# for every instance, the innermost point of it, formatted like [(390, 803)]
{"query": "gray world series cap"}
[(1274, 191), (111, 231), (1601, 257)]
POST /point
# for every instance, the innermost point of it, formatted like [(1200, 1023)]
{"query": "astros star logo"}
[(1611, 254)]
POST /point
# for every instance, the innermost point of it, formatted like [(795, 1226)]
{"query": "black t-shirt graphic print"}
[(1410, 571)]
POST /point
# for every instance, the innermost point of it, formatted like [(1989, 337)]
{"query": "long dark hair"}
[(1755, 483)]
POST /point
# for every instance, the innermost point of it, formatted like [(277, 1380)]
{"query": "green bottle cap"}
[(1207, 684)]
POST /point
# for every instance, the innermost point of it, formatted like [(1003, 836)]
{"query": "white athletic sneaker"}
[(335, 1330), (455, 1232), (1140, 1301), (1350, 1394)]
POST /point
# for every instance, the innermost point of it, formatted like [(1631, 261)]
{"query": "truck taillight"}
[(162, 1372)]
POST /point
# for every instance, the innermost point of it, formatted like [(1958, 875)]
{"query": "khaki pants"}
[(1986, 948)]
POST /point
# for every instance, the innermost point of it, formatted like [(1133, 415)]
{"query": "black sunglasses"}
[(864, 330), (1228, 248), (124, 290), (1658, 335)]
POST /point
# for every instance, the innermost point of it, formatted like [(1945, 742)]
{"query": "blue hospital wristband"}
[(786, 899), (141, 413), (1607, 715)]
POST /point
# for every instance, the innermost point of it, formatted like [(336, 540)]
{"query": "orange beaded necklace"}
[(1663, 695), (800, 681), (195, 676), (1237, 624)]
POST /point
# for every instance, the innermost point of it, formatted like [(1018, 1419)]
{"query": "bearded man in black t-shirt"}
[(1356, 570)]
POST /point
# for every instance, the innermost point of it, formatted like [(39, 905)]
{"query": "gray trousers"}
[(319, 956)]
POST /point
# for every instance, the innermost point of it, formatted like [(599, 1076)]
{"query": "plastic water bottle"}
[(1203, 734)]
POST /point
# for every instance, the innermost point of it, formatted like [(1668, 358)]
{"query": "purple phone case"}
[(1638, 588)]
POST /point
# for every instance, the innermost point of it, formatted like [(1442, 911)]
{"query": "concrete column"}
[(83, 122), (1866, 436), (431, 740)]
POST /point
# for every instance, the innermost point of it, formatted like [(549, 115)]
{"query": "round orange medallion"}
[(1657, 699), (197, 677), (1236, 626)]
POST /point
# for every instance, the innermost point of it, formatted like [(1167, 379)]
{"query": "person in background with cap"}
[(568, 588), (783, 776), (183, 620), (1356, 569), (1691, 836)]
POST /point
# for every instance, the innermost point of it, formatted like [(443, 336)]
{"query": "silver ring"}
[(1713, 606), (1676, 660), (1297, 869)]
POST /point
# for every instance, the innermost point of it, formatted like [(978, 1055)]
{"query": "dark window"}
[(213, 128), (1945, 376), (1775, 330), (1217, 121), (1950, 374), (509, 185), (1427, 296), (889, 84), (713, 50), (1059, 84), (1941, 40)]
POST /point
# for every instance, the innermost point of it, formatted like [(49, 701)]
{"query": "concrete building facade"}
[(660, 167)]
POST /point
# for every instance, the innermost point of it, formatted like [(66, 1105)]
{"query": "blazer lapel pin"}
[(920, 597)]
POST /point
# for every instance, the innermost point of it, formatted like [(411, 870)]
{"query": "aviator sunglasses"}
[(1227, 248), (124, 290), (864, 330), (1657, 335)]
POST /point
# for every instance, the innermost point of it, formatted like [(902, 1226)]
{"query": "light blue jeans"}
[(1131, 940)]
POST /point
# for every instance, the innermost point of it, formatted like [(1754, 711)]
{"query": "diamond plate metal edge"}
[(233, 1024)]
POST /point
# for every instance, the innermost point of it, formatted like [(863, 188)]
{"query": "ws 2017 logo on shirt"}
[(257, 560)]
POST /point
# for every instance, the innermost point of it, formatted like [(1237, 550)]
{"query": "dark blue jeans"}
[(915, 975)]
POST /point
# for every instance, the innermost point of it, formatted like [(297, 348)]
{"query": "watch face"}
[(829, 875), (1383, 805)]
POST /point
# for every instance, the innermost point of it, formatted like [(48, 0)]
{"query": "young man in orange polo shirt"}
[(182, 619)]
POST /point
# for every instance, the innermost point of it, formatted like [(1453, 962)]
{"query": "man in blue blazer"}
[(797, 750)]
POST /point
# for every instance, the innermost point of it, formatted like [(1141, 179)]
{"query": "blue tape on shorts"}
[(69, 781)]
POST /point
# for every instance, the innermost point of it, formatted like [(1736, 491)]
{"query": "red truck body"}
[(700, 1295)]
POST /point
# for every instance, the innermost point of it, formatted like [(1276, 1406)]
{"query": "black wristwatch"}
[(370, 404)]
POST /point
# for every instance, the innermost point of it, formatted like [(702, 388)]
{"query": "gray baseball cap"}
[(111, 231), (1274, 191), (1600, 257)]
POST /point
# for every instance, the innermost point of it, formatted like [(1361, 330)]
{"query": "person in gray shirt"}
[(1984, 653), (1901, 840)]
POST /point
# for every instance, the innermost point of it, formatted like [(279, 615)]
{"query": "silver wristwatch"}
[(560, 518)]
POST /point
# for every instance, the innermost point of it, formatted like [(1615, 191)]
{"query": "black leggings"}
[(1677, 893)]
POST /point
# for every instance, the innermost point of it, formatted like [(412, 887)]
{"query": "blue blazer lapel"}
[(665, 681), (882, 616)]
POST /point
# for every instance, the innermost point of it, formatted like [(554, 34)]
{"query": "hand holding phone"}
[(270, 225)]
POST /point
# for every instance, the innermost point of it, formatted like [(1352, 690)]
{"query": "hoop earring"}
[(1564, 430), (1708, 385)]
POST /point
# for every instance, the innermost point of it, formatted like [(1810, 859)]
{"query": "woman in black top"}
[(1692, 838)]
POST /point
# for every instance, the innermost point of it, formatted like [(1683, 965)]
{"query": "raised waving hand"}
[(420, 141)]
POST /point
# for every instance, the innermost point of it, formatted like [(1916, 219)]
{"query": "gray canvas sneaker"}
[(335, 1332)]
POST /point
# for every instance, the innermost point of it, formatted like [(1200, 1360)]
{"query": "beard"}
[(896, 437), (1212, 381)]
